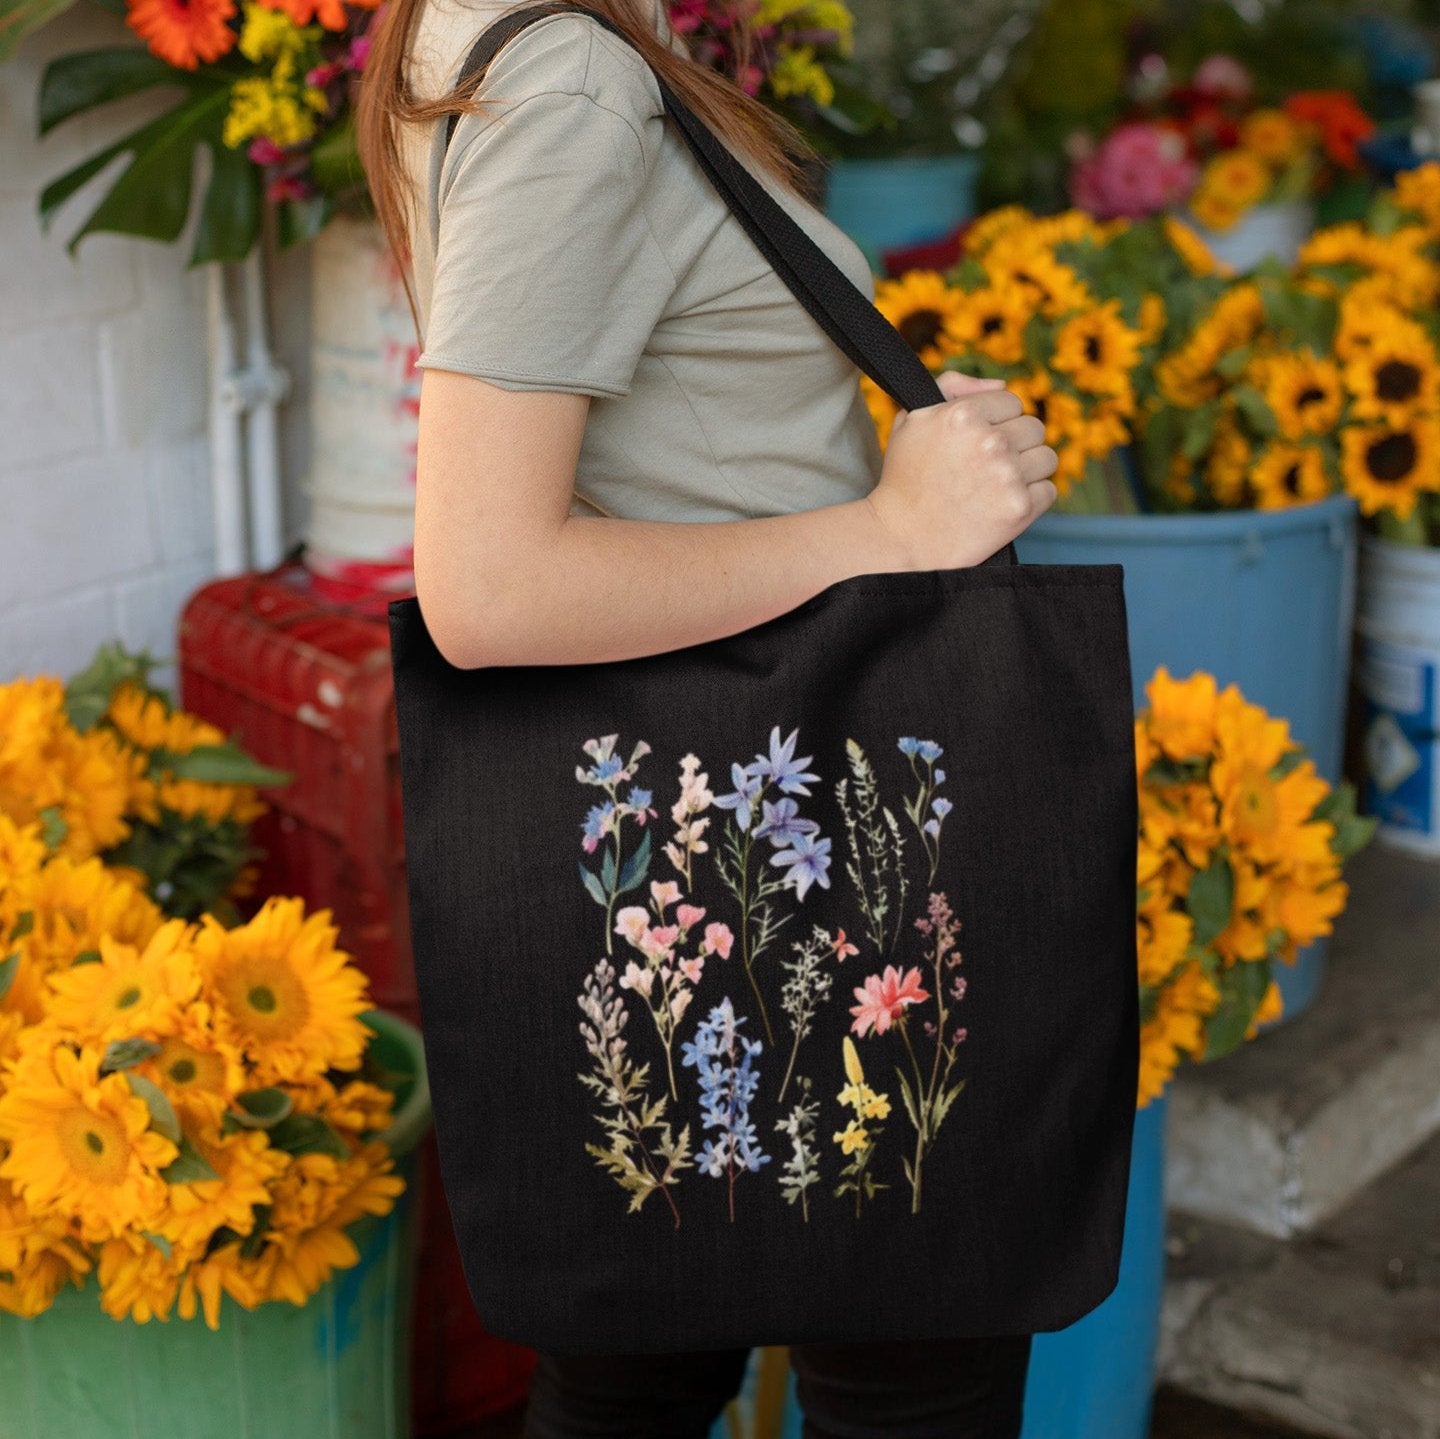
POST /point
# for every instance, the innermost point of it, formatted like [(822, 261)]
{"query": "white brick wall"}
[(105, 505)]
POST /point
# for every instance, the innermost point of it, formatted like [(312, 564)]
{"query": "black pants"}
[(957, 1389)]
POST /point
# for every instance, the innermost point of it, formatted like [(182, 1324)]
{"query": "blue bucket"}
[(887, 204), (1096, 1378), (1264, 599)]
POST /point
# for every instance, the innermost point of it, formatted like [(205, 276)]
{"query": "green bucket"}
[(337, 1367)]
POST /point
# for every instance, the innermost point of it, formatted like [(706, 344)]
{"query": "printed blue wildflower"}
[(808, 860), (909, 745), (742, 798), (725, 1061), (782, 823), (942, 807), (595, 822), (781, 767), (929, 751)]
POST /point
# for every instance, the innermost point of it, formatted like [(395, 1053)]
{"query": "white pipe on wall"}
[(227, 478), (266, 386)]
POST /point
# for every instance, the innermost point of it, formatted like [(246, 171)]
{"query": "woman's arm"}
[(506, 576)]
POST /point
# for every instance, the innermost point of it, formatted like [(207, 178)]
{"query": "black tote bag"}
[(783, 988)]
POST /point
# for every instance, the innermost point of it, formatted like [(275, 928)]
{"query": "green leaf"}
[(19, 18), (1212, 899), (230, 214), (162, 1113), (89, 78), (262, 1108), (912, 1108), (1233, 363), (54, 826), (594, 888), (1242, 987), (88, 693), (307, 1134), (1257, 414), (127, 1053), (159, 1241), (189, 1166), (254, 1242), (635, 867), (297, 222), (24, 923), (86, 956), (943, 1101), (335, 159), (1199, 431), (607, 870), (223, 763), (9, 968)]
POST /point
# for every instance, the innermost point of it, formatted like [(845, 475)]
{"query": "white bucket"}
[(1398, 674), (364, 400), (1273, 230)]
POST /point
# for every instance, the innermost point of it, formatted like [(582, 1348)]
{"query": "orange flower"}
[(1341, 122), (184, 32), (329, 13)]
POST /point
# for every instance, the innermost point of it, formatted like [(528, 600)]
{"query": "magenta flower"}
[(883, 999), (1139, 169)]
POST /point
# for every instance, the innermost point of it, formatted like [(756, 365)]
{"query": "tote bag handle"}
[(837, 304)]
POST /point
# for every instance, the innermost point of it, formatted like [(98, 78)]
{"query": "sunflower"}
[(1163, 935), (921, 305), (138, 1278), (1007, 220), (1387, 467), (247, 1166), (1232, 182), (1274, 136), (37, 1259), (1045, 283), (1271, 1006), (1304, 901), (990, 321), (1304, 392), (1063, 416), (81, 1146), (199, 1070), (1418, 191), (357, 1106), (1397, 374), (1287, 474), (1098, 350), (129, 991), (1192, 250), (1182, 714), (184, 33), (1244, 940), (1227, 466), (1409, 277), (216, 802), (882, 410), (1175, 1028), (1187, 376), (291, 997), (1367, 311)]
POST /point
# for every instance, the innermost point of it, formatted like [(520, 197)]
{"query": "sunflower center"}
[(1397, 381), (1291, 480), (182, 1071), (921, 328), (267, 997), (1093, 349), (992, 325), (1310, 395), (127, 997), (1392, 459), (262, 997), (94, 1146), (1042, 409)]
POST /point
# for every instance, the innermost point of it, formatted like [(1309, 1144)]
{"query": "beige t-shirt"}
[(569, 241)]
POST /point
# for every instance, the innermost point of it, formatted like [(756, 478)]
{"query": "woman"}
[(601, 335)]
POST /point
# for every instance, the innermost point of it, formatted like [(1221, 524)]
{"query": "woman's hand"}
[(963, 478)]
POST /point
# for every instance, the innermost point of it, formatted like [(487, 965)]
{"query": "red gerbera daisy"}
[(329, 13), (184, 32)]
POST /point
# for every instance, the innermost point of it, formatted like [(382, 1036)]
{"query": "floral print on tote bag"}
[(674, 1088)]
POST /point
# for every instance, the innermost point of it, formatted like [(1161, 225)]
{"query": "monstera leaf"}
[(151, 196)]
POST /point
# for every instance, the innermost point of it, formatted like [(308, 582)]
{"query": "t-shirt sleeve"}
[(547, 275)]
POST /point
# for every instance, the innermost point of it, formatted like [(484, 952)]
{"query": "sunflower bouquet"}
[(1069, 311), (264, 85), (1291, 385), (1239, 862), (187, 1111), (107, 766)]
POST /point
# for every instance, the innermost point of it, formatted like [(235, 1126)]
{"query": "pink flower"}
[(718, 940), (264, 151), (842, 946), (691, 968), (660, 940), (632, 922), (286, 187), (883, 1000), (689, 914), (680, 1002), (1139, 169), (1223, 76), (322, 75), (640, 980), (358, 54), (664, 894)]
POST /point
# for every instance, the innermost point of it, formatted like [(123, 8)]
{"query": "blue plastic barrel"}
[(1096, 1379), (1264, 599), (888, 204)]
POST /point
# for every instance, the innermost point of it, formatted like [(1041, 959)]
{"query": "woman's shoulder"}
[(564, 54)]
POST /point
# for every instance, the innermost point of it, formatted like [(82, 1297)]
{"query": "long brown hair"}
[(386, 102)]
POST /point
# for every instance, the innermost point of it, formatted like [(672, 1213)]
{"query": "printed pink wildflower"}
[(883, 999), (689, 914), (659, 941), (718, 940), (841, 946), (632, 922), (664, 894)]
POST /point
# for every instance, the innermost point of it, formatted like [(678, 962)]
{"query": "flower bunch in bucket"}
[(109, 766), (1241, 848)]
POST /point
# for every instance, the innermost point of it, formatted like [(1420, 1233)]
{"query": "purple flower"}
[(742, 800), (782, 822), (780, 766), (596, 825), (808, 860)]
